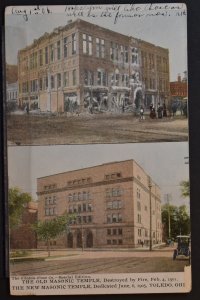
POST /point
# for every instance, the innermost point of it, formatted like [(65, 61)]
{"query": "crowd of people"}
[(162, 111)]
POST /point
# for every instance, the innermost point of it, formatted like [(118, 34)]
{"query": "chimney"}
[(179, 78)]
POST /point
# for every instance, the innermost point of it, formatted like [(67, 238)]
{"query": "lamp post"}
[(150, 224)]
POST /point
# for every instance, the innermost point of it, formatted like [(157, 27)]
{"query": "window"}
[(112, 51), (109, 220), (139, 218), (100, 48), (34, 85), (70, 197), (65, 47), (88, 77), (58, 80), (138, 193), (84, 196), (45, 84), (120, 231), (126, 54), (120, 242), (97, 47), (41, 57), (134, 56), (89, 207), (51, 53), (114, 218), (89, 219), (108, 242), (75, 197), (50, 211), (116, 192), (139, 232), (108, 231), (114, 204), (74, 43), (52, 82), (65, 79), (58, 50), (84, 43), (79, 208), (87, 44), (40, 84), (74, 77), (114, 231), (35, 60), (84, 207), (46, 55), (101, 77), (125, 79)]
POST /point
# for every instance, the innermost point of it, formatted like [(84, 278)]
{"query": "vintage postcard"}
[(100, 219), (96, 74), (98, 161)]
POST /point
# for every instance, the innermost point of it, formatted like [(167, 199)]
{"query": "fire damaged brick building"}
[(115, 205), (85, 67)]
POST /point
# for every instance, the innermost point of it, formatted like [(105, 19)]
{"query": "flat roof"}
[(58, 29), (101, 165)]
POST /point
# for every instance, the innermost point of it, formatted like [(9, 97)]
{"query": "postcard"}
[(98, 161)]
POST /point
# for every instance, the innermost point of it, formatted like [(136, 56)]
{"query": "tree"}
[(179, 220), (17, 201), (185, 188), (51, 229)]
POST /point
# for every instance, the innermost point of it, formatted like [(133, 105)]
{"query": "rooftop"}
[(71, 24)]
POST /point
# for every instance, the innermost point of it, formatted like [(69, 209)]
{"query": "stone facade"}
[(85, 67), (111, 203)]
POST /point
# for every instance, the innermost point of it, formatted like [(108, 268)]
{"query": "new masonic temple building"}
[(85, 67), (113, 204)]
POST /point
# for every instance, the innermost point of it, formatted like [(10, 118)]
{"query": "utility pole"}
[(150, 212), (168, 197)]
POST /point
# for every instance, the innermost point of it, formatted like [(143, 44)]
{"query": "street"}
[(96, 262), (93, 128)]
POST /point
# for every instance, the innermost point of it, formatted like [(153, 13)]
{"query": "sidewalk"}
[(59, 254)]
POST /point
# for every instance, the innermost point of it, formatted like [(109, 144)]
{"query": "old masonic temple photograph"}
[(79, 81)]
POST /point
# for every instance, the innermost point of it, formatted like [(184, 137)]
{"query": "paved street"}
[(89, 262)]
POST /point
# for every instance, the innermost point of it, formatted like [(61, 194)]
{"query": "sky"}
[(165, 27), (164, 162)]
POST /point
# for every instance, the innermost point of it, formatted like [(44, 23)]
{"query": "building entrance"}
[(89, 240)]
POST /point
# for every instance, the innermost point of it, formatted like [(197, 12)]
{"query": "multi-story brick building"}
[(112, 203), (82, 66), (23, 236), (179, 89)]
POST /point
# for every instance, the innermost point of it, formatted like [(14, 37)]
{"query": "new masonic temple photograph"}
[(98, 208), (87, 74)]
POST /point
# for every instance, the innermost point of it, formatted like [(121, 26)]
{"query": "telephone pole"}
[(168, 198)]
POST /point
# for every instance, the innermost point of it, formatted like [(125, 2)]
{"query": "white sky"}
[(163, 161), (168, 31)]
